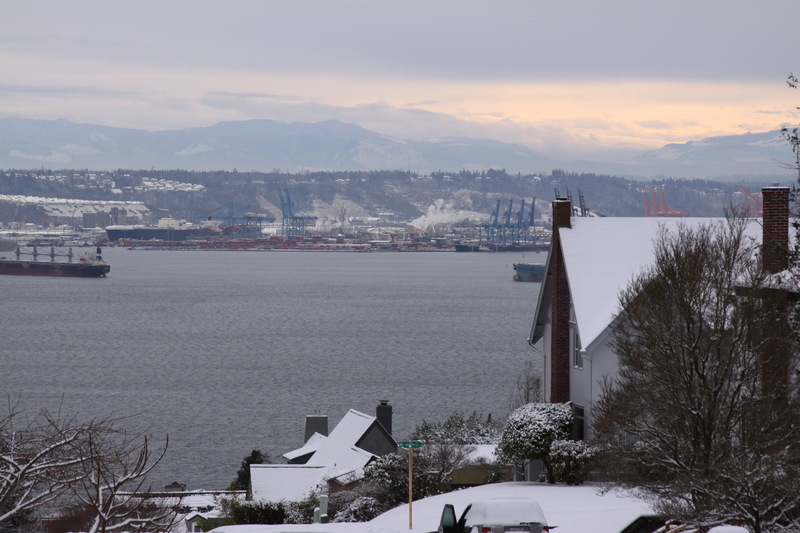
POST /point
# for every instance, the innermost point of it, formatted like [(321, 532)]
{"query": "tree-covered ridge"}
[(196, 195)]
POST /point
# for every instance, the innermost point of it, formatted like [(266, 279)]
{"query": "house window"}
[(577, 356), (577, 422)]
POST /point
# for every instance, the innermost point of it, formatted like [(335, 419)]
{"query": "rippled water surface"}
[(228, 351)]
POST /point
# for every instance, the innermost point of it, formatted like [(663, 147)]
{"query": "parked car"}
[(497, 515)]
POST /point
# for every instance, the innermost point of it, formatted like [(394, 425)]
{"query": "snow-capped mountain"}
[(265, 145)]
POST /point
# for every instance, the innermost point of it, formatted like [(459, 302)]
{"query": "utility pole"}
[(409, 447)]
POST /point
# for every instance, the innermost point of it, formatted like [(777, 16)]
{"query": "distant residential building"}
[(591, 260), (326, 462)]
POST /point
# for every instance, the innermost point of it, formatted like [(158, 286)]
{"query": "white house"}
[(591, 260), (338, 458)]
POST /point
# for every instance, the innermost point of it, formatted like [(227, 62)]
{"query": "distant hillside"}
[(259, 145), (267, 145), (466, 196)]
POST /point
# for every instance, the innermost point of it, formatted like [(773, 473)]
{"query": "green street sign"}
[(410, 444)]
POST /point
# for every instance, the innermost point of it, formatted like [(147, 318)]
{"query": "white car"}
[(497, 515)]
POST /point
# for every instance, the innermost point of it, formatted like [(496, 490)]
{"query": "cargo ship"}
[(467, 247), (167, 229), (517, 247), (493, 247), (88, 265), (533, 272)]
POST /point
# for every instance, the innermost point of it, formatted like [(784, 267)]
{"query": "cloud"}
[(7, 90), (654, 124), (513, 41), (571, 78)]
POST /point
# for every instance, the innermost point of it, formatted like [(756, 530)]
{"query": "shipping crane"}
[(292, 224), (510, 228), (753, 205), (577, 210), (655, 207)]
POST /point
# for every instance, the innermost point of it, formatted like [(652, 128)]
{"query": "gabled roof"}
[(338, 447), (334, 456), (311, 446), (601, 256)]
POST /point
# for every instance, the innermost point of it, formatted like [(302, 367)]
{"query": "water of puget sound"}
[(227, 352)]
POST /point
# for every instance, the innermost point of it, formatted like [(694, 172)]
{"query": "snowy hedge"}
[(530, 431), (571, 460)]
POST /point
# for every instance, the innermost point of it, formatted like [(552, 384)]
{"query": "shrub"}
[(571, 460), (530, 431), (360, 509), (257, 512), (301, 512)]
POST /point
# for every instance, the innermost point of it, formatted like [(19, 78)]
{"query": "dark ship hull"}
[(89, 265), (44, 268), (533, 272), (145, 233)]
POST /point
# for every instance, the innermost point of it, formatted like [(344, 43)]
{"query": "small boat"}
[(467, 247), (88, 265), (533, 272), (516, 247)]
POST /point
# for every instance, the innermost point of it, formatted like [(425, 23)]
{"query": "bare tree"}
[(528, 388), (95, 468), (114, 466), (37, 459), (690, 419)]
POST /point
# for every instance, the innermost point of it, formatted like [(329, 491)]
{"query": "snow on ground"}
[(572, 509)]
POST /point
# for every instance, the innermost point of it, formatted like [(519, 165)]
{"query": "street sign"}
[(410, 444)]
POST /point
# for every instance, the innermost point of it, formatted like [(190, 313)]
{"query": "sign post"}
[(409, 446)]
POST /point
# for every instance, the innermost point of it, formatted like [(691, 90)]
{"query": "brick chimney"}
[(383, 412), (559, 349), (775, 243), (776, 355), (315, 424)]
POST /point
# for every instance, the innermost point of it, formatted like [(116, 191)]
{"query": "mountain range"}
[(266, 145)]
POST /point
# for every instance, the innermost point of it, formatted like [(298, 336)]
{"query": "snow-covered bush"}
[(449, 446), (386, 478), (571, 460), (339, 500), (458, 429), (301, 512), (530, 431), (360, 509)]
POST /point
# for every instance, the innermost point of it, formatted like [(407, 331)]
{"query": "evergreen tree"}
[(242, 481)]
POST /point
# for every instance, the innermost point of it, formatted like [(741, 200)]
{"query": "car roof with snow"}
[(505, 511)]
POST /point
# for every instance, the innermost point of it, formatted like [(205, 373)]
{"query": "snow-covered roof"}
[(312, 445), (284, 482), (338, 447), (349, 464), (483, 452), (193, 499), (602, 255), (334, 456), (200, 498), (787, 280)]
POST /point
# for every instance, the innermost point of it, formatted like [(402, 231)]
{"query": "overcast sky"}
[(566, 77)]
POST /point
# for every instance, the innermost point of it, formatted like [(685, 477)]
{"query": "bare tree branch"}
[(695, 419)]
